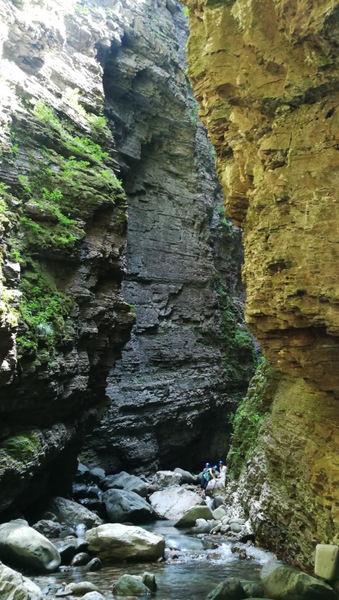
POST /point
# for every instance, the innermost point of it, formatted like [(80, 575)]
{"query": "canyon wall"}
[(63, 239), (266, 76), (97, 113), (190, 355)]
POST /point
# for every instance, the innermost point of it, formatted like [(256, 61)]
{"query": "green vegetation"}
[(43, 310), (64, 188), (239, 356), (221, 211), (248, 422), (70, 175)]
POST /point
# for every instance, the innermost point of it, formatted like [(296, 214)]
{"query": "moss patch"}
[(248, 421)]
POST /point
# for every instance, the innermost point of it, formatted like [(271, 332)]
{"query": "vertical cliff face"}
[(74, 77), (63, 234), (190, 356), (266, 77)]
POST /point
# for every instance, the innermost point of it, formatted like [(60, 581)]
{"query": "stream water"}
[(201, 563)]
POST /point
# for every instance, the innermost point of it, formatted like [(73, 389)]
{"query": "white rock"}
[(172, 503), (327, 561), (15, 585), (115, 541), (23, 546)]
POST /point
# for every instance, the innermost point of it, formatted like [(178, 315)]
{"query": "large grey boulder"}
[(80, 588), (187, 477), (286, 583), (14, 586), (23, 546), (172, 503), (130, 585), (166, 478), (72, 513), (114, 542), (197, 512), (122, 507), (230, 589), (124, 481)]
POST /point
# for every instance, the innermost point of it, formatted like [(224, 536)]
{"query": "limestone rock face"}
[(62, 236), (176, 383), (266, 78), (265, 74)]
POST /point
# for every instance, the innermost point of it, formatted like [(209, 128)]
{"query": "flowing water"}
[(197, 565)]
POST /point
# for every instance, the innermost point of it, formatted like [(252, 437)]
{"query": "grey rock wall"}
[(172, 392)]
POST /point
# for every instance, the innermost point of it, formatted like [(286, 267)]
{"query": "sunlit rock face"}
[(63, 235), (173, 389), (266, 76)]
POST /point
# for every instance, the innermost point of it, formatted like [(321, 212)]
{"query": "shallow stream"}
[(201, 563)]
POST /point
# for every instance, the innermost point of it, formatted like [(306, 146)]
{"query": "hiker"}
[(208, 474), (222, 474)]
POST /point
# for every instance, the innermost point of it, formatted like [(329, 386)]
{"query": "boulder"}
[(166, 478), (68, 549), (93, 565), (286, 583), (23, 546), (93, 596), (173, 502), (122, 506), (327, 561), (114, 542), (219, 513), (48, 528), (230, 589), (203, 526), (124, 481), (80, 588), (149, 580), (80, 560), (130, 585), (15, 585), (71, 513), (197, 512), (187, 477), (252, 589)]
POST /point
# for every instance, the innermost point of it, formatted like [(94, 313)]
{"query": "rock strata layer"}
[(63, 233), (190, 355), (266, 76)]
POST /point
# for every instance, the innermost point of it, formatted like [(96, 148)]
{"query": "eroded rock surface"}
[(63, 320), (266, 76), (189, 356)]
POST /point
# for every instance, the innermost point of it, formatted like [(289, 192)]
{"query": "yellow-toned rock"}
[(265, 75)]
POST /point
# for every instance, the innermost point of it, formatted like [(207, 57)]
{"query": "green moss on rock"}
[(248, 421)]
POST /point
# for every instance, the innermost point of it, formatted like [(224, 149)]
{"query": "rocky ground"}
[(70, 536)]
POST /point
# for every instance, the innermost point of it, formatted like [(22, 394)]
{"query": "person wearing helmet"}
[(222, 474), (208, 474)]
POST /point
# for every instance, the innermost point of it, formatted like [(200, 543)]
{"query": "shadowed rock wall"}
[(181, 373), (266, 76), (63, 233)]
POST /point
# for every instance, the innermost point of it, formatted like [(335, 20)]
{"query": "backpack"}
[(207, 475)]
